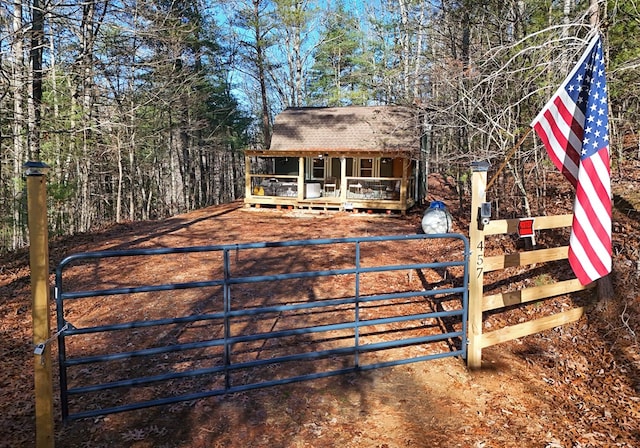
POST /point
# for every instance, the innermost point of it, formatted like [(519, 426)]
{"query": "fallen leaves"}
[(575, 387)]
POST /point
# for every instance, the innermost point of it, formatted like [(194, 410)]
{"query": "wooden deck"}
[(327, 203)]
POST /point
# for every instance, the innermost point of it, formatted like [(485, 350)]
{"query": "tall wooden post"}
[(247, 177), (39, 263), (343, 180), (476, 268)]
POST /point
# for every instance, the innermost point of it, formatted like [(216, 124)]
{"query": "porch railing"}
[(357, 188), (374, 188), (272, 185)]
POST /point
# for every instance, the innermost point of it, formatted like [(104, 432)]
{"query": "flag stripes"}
[(574, 128)]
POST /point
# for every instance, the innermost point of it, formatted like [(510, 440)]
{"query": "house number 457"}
[(480, 259)]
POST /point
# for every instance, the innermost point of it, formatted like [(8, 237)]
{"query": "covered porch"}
[(349, 181)]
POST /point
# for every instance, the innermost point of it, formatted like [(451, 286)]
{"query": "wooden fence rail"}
[(480, 264)]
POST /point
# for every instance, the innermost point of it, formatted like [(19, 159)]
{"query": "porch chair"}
[(330, 185)]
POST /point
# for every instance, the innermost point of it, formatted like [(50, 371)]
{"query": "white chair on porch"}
[(330, 186)]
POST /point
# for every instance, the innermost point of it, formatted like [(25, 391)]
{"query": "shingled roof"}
[(334, 130)]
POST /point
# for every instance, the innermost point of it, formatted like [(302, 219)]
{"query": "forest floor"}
[(573, 386)]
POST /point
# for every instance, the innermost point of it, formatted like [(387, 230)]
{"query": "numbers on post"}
[(480, 259)]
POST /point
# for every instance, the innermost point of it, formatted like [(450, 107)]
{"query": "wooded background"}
[(143, 108)]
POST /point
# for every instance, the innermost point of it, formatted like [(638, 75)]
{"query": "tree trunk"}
[(404, 42), (35, 103), (86, 69), (17, 85), (133, 173), (56, 169), (262, 79), (120, 180)]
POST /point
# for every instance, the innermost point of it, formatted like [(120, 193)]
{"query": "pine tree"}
[(336, 78)]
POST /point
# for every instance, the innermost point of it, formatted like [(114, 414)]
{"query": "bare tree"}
[(252, 26), (19, 126), (35, 99), (489, 83)]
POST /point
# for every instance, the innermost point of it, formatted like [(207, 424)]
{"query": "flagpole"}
[(506, 159)]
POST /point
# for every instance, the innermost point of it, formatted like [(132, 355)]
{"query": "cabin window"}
[(366, 167), (386, 167), (287, 165), (349, 166), (335, 167), (318, 168)]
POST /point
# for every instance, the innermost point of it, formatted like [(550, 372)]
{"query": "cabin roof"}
[(344, 130)]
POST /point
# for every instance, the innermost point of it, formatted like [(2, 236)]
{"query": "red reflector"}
[(525, 227)]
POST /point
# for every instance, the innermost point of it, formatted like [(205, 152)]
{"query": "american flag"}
[(574, 127)]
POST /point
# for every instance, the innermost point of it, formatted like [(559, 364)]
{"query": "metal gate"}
[(178, 324)]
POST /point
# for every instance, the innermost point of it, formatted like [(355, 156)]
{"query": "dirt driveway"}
[(567, 387)]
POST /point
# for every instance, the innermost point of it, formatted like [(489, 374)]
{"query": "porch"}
[(321, 189)]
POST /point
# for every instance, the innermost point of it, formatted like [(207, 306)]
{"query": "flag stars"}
[(584, 96), (587, 93)]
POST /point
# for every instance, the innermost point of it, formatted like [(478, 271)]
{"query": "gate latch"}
[(39, 348)]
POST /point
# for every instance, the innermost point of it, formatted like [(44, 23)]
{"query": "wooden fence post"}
[(476, 261), (39, 264)]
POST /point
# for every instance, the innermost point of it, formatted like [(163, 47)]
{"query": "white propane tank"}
[(437, 219)]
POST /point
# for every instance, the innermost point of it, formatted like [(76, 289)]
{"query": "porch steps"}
[(320, 203)]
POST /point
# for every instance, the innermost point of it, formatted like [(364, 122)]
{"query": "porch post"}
[(247, 177), (300, 178), (476, 268), (403, 186), (343, 180)]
